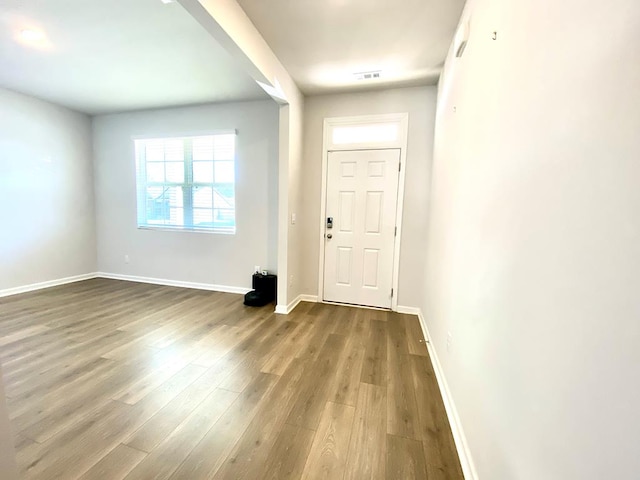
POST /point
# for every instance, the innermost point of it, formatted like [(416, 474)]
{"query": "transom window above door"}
[(187, 183)]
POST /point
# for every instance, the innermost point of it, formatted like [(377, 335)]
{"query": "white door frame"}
[(401, 120)]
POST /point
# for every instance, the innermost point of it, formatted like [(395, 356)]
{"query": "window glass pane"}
[(224, 147), (203, 148), (224, 172), (202, 217), (224, 218), (157, 207), (382, 132), (175, 172), (176, 217), (154, 150), (174, 196), (224, 196), (155, 172), (203, 197), (203, 172), (174, 150)]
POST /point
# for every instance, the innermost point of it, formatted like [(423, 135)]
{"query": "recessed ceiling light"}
[(32, 35), (167, 1)]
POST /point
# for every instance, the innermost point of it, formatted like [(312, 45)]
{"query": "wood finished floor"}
[(110, 380)]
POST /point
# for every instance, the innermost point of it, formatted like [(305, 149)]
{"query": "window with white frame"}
[(187, 183)]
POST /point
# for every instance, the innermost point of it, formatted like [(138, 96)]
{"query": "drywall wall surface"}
[(420, 104), (296, 250), (533, 253), (47, 228), (209, 258)]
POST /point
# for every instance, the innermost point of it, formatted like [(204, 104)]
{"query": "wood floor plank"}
[(236, 340), (22, 333), (174, 365), (344, 388), (314, 392), (205, 459), (438, 444), (368, 447), (74, 452), (288, 456), (281, 357), (415, 337), (247, 459), (115, 465), (404, 459), (65, 374), (249, 368), (327, 391), (397, 334), (58, 409), (374, 368), (328, 456), (164, 460), (158, 428), (402, 409)]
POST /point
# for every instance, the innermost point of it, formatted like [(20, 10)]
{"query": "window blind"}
[(187, 183)]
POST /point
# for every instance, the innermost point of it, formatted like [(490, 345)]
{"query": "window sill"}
[(219, 231)]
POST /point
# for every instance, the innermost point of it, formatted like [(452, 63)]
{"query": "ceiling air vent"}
[(367, 75)]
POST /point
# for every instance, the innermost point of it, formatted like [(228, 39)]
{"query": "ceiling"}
[(323, 43), (116, 55)]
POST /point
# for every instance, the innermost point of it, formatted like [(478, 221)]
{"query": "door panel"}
[(343, 268), (347, 210), (362, 191)]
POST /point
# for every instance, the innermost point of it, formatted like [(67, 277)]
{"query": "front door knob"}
[(329, 235)]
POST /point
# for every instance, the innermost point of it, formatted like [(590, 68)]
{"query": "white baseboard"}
[(51, 283), (287, 309), (466, 461), (309, 298), (408, 310), (130, 278), (174, 283)]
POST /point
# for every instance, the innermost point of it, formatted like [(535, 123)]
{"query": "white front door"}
[(362, 194)]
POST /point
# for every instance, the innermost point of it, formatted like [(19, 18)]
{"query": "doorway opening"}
[(361, 209)]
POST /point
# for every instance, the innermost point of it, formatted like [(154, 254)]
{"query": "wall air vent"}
[(367, 75)]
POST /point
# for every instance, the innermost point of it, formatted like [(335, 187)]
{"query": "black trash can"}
[(264, 290)]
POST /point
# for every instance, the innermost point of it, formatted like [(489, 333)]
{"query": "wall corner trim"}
[(287, 309), (466, 460)]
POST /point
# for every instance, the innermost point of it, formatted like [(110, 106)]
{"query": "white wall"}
[(420, 103), (533, 257), (214, 259), (297, 174), (47, 228)]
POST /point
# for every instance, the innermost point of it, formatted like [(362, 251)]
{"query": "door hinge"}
[(392, 292), (395, 232), (399, 166)]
